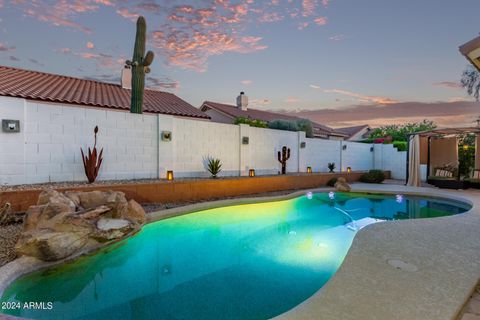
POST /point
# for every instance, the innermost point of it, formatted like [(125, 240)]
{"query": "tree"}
[(400, 132), (471, 81)]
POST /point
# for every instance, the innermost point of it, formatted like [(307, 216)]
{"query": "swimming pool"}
[(250, 261)]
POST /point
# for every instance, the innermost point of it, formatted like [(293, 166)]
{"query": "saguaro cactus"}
[(139, 65), (283, 157)]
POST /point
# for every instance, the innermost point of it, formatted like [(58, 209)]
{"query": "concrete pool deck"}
[(442, 262), (439, 261)]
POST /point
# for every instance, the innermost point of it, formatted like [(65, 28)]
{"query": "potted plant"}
[(331, 166)]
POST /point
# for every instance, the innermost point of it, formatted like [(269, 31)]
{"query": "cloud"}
[(292, 100), (13, 58), (314, 86), (337, 37), (271, 17), (157, 83), (246, 82), (302, 25), (361, 97), (446, 114), (321, 21), (260, 102), (34, 61), (127, 14), (5, 48), (325, 3), (90, 45), (448, 84), (309, 7)]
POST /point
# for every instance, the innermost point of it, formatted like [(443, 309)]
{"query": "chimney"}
[(126, 78), (242, 101)]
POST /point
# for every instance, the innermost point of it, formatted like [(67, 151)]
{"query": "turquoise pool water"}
[(250, 261)]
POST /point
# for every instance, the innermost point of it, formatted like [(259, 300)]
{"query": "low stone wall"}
[(191, 190)]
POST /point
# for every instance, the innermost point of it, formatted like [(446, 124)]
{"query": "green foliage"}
[(471, 81), (331, 182), (373, 176), (283, 125), (331, 166), (400, 145), (305, 125), (214, 166), (140, 65), (251, 122), (466, 154), (293, 125), (400, 132)]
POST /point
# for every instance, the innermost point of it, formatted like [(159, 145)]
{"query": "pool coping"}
[(338, 299)]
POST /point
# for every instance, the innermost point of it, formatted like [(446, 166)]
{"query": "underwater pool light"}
[(309, 195), (399, 198), (331, 195)]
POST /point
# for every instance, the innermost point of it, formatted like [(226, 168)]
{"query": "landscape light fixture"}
[(349, 169), (309, 169), (251, 173), (169, 175), (471, 51)]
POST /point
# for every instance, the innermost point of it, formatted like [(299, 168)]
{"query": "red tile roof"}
[(267, 116), (57, 88)]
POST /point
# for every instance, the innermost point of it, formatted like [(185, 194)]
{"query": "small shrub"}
[(373, 176), (400, 145), (214, 166), (251, 122), (331, 166), (305, 125), (331, 182), (283, 125)]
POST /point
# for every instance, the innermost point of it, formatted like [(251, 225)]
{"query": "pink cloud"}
[(127, 14), (325, 3), (362, 98), (302, 25), (321, 21), (292, 100), (90, 45), (309, 7), (448, 84), (271, 17), (246, 82), (4, 47)]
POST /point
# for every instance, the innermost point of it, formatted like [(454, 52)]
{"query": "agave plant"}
[(214, 166), (93, 160), (331, 166)]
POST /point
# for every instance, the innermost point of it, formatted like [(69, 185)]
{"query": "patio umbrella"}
[(414, 162)]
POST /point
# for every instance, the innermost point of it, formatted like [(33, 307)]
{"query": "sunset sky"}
[(339, 62)]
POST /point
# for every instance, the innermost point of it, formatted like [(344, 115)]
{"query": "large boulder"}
[(62, 224), (51, 246), (342, 185)]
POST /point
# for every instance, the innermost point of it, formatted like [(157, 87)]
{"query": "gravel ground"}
[(8, 237), (108, 182)]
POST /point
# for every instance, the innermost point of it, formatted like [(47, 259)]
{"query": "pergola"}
[(437, 147)]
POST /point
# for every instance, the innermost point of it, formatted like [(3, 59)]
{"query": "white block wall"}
[(48, 147)]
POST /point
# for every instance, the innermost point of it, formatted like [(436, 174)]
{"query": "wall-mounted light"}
[(169, 175), (465, 147), (245, 140), (166, 136), (303, 145), (309, 169), (344, 147), (251, 173), (349, 169), (371, 149)]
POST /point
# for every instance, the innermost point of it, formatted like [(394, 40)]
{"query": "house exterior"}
[(52, 88), (226, 113), (471, 51), (356, 133)]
